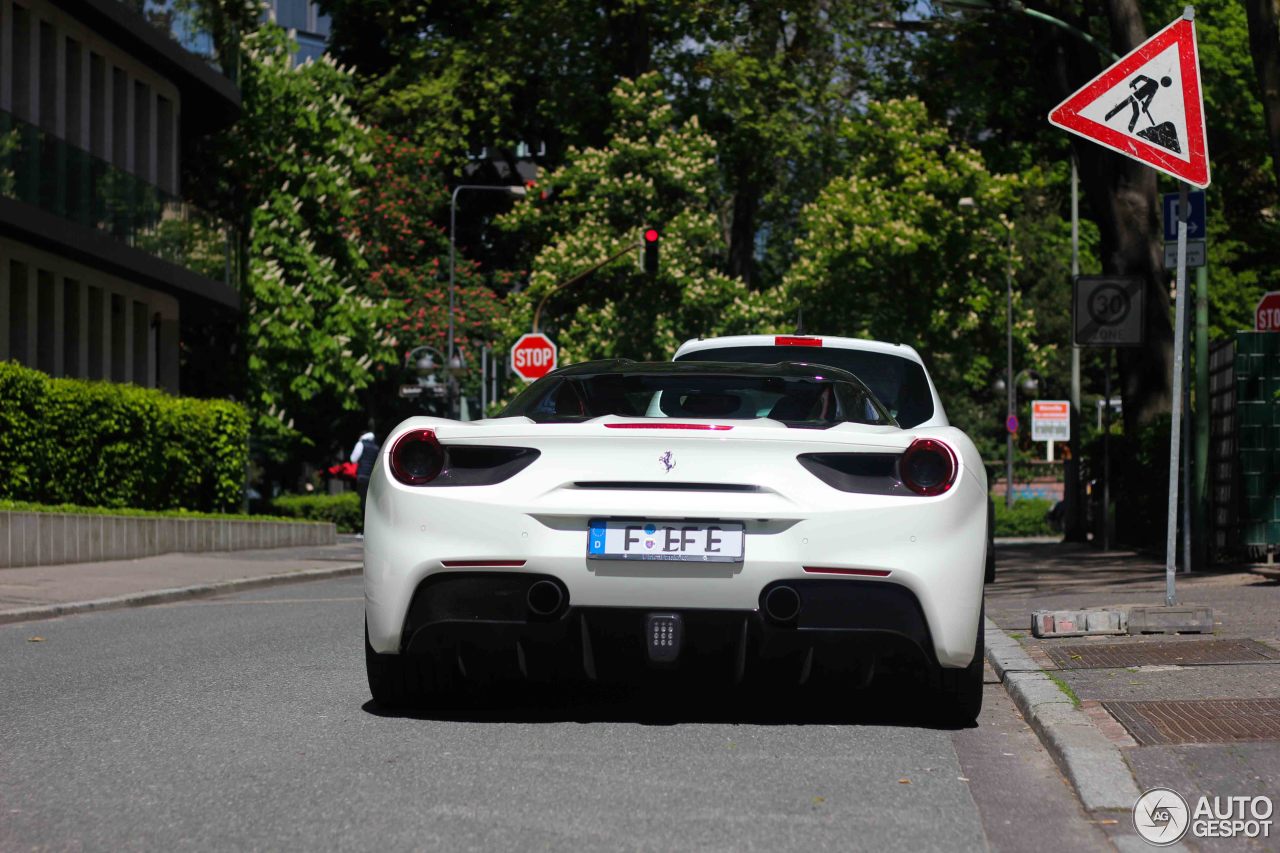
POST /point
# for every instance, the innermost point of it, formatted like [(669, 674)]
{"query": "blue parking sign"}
[(1195, 219)]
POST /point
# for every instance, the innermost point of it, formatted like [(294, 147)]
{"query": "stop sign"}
[(533, 356), (1267, 316)]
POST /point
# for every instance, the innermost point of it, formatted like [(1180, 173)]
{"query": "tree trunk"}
[(742, 232), (1122, 196), (1264, 45)]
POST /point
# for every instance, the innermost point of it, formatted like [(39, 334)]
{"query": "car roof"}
[(698, 344), (786, 369)]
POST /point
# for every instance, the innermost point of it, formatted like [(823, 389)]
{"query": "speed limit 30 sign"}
[(1108, 311)]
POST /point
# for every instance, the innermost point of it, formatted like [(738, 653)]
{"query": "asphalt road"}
[(244, 723)]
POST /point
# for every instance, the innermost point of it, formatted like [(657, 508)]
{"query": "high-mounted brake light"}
[(928, 467), (796, 341), (416, 457), (664, 425)]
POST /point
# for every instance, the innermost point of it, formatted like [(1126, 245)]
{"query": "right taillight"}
[(416, 457), (928, 467)]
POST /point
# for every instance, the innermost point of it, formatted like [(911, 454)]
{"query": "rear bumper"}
[(931, 548), (472, 616)]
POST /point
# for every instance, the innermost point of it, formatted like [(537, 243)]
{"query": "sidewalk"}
[(1196, 713), (38, 592)]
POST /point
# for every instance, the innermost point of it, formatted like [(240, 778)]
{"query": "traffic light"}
[(650, 240)]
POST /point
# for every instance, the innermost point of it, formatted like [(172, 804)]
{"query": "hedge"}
[(129, 512), (1027, 517), (342, 509), (71, 441)]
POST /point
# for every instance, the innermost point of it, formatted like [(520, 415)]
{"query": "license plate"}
[(693, 541)]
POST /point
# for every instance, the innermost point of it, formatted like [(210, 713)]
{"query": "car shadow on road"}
[(884, 703)]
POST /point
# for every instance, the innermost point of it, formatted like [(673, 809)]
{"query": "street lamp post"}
[(452, 362), (1012, 405)]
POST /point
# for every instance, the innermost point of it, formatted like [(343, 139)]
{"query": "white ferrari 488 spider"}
[(746, 521)]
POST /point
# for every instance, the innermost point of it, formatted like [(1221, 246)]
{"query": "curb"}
[(1093, 763), (164, 596)]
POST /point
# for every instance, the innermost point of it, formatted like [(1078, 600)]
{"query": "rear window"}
[(796, 401), (899, 383)]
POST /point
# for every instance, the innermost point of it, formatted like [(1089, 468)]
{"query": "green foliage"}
[(342, 509), (889, 251), (313, 331), (1027, 517), (655, 171), (76, 509), (106, 444)]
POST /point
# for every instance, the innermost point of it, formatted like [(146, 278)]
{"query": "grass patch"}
[(1065, 688), (75, 509), (1017, 636)]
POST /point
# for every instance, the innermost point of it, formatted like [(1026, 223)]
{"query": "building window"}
[(75, 93), (46, 323), (293, 14), (21, 63), (119, 118), (71, 342), (48, 78), (97, 105), (166, 150), (19, 293), (97, 356), (309, 48), (118, 340), (142, 130)]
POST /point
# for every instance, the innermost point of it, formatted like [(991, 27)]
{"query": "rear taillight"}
[(928, 467), (416, 457)]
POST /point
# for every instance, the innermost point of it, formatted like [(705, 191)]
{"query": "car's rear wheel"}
[(399, 681), (961, 689)]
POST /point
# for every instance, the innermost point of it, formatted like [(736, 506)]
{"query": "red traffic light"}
[(651, 235)]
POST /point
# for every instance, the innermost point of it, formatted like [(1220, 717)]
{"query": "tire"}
[(398, 681), (989, 570), (960, 690)]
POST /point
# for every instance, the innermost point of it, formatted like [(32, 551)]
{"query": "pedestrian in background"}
[(364, 455)]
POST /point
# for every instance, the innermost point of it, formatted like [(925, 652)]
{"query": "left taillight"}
[(417, 457), (928, 467)]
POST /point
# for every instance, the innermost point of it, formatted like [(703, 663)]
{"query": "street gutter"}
[(165, 596), (1093, 764)]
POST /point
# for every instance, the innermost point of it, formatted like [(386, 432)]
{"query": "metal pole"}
[(1200, 522), (1071, 468), (1185, 391), (484, 381), (453, 234), (1175, 426), (1106, 456), (1010, 397)]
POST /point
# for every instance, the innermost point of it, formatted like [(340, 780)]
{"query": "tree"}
[(913, 245), (1264, 46), (312, 331), (655, 171)]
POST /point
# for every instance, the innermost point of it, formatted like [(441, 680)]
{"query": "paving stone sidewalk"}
[(34, 592), (1199, 714)]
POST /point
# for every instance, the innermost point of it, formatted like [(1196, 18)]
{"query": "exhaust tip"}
[(545, 598), (782, 604)]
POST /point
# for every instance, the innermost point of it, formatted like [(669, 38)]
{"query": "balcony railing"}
[(44, 171), (176, 21)]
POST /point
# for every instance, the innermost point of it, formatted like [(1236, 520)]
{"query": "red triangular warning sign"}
[(1148, 106)]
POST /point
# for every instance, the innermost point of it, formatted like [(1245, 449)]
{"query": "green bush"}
[(74, 509), (70, 441), (342, 509), (1025, 518)]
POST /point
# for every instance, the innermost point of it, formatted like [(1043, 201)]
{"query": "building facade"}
[(306, 23), (101, 256)]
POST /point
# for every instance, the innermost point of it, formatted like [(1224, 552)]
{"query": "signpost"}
[(533, 356), (1109, 311), (1051, 420), (1149, 107), (1266, 317), (1196, 231)]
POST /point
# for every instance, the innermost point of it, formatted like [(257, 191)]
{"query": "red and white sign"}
[(533, 356), (1148, 106), (1267, 316), (1050, 420)]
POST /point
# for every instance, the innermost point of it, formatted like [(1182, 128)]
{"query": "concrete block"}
[(4, 540), (1171, 620), (1078, 623)]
